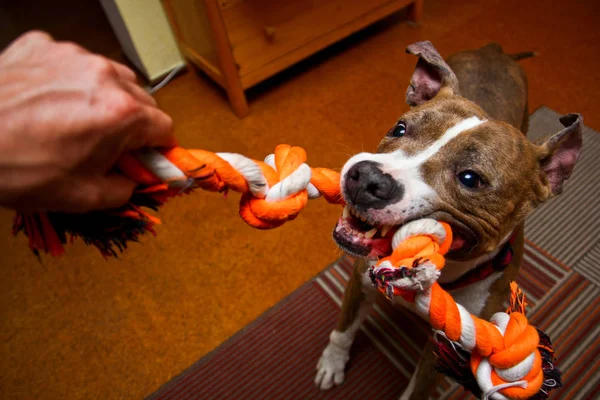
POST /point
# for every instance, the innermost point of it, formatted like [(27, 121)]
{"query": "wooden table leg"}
[(237, 98), (415, 10), (233, 85)]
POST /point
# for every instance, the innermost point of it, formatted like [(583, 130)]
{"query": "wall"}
[(145, 35)]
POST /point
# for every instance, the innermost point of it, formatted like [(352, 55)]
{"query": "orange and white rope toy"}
[(506, 353), (273, 192)]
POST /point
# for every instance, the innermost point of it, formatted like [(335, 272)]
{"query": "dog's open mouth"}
[(358, 237)]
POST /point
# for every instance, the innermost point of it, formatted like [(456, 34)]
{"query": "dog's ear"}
[(560, 152), (432, 75)]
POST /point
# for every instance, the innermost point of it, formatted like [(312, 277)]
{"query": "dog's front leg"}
[(355, 307), (425, 379)]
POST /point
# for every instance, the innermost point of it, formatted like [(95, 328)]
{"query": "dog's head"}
[(447, 159)]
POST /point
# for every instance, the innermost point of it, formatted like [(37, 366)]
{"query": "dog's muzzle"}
[(368, 187)]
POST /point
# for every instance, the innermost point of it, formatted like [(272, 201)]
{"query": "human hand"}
[(65, 117)]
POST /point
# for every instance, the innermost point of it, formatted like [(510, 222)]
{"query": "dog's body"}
[(458, 156)]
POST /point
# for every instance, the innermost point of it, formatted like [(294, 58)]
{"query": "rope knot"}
[(515, 370), (273, 191), (287, 184), (415, 264), (509, 357)]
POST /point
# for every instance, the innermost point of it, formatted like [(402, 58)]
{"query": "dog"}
[(459, 155)]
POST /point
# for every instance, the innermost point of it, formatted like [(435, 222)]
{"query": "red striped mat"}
[(275, 356)]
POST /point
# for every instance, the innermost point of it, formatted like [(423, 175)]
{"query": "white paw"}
[(331, 366)]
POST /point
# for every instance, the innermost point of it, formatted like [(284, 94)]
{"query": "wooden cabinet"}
[(239, 43)]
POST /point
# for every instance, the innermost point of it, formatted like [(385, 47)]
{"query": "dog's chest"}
[(474, 296)]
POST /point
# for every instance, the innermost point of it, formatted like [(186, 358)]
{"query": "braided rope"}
[(273, 191), (505, 359), (505, 355)]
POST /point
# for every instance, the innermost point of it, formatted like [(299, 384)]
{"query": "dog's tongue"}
[(457, 242), (380, 247)]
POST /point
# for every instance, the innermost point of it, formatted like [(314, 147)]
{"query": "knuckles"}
[(35, 36), (102, 69), (123, 106)]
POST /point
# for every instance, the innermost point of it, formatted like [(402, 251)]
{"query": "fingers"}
[(78, 195), (101, 193), (92, 193), (34, 37), (140, 94), (153, 129), (25, 46), (125, 73)]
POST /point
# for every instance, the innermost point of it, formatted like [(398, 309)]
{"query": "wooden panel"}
[(285, 60), (192, 28), (261, 31), (213, 72), (235, 91)]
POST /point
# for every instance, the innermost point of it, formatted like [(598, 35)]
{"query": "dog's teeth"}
[(346, 213), (385, 229), (371, 233), (360, 235)]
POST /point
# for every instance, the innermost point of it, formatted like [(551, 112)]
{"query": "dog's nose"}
[(369, 187)]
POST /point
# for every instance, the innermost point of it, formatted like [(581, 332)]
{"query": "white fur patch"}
[(407, 170), (474, 296), (450, 134), (332, 364)]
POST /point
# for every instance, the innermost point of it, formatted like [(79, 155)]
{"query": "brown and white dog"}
[(459, 156)]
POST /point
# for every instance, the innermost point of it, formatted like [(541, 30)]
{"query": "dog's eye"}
[(398, 130), (470, 179)]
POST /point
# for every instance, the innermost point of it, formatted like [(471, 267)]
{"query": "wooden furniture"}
[(239, 43)]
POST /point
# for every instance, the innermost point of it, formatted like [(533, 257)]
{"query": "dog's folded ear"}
[(560, 152), (432, 75)]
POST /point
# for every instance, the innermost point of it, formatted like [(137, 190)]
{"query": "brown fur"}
[(501, 87), (499, 93), (354, 295), (489, 85)]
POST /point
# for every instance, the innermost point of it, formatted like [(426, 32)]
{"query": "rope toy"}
[(273, 192), (509, 359)]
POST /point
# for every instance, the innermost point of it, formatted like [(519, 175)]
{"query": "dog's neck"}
[(453, 270)]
